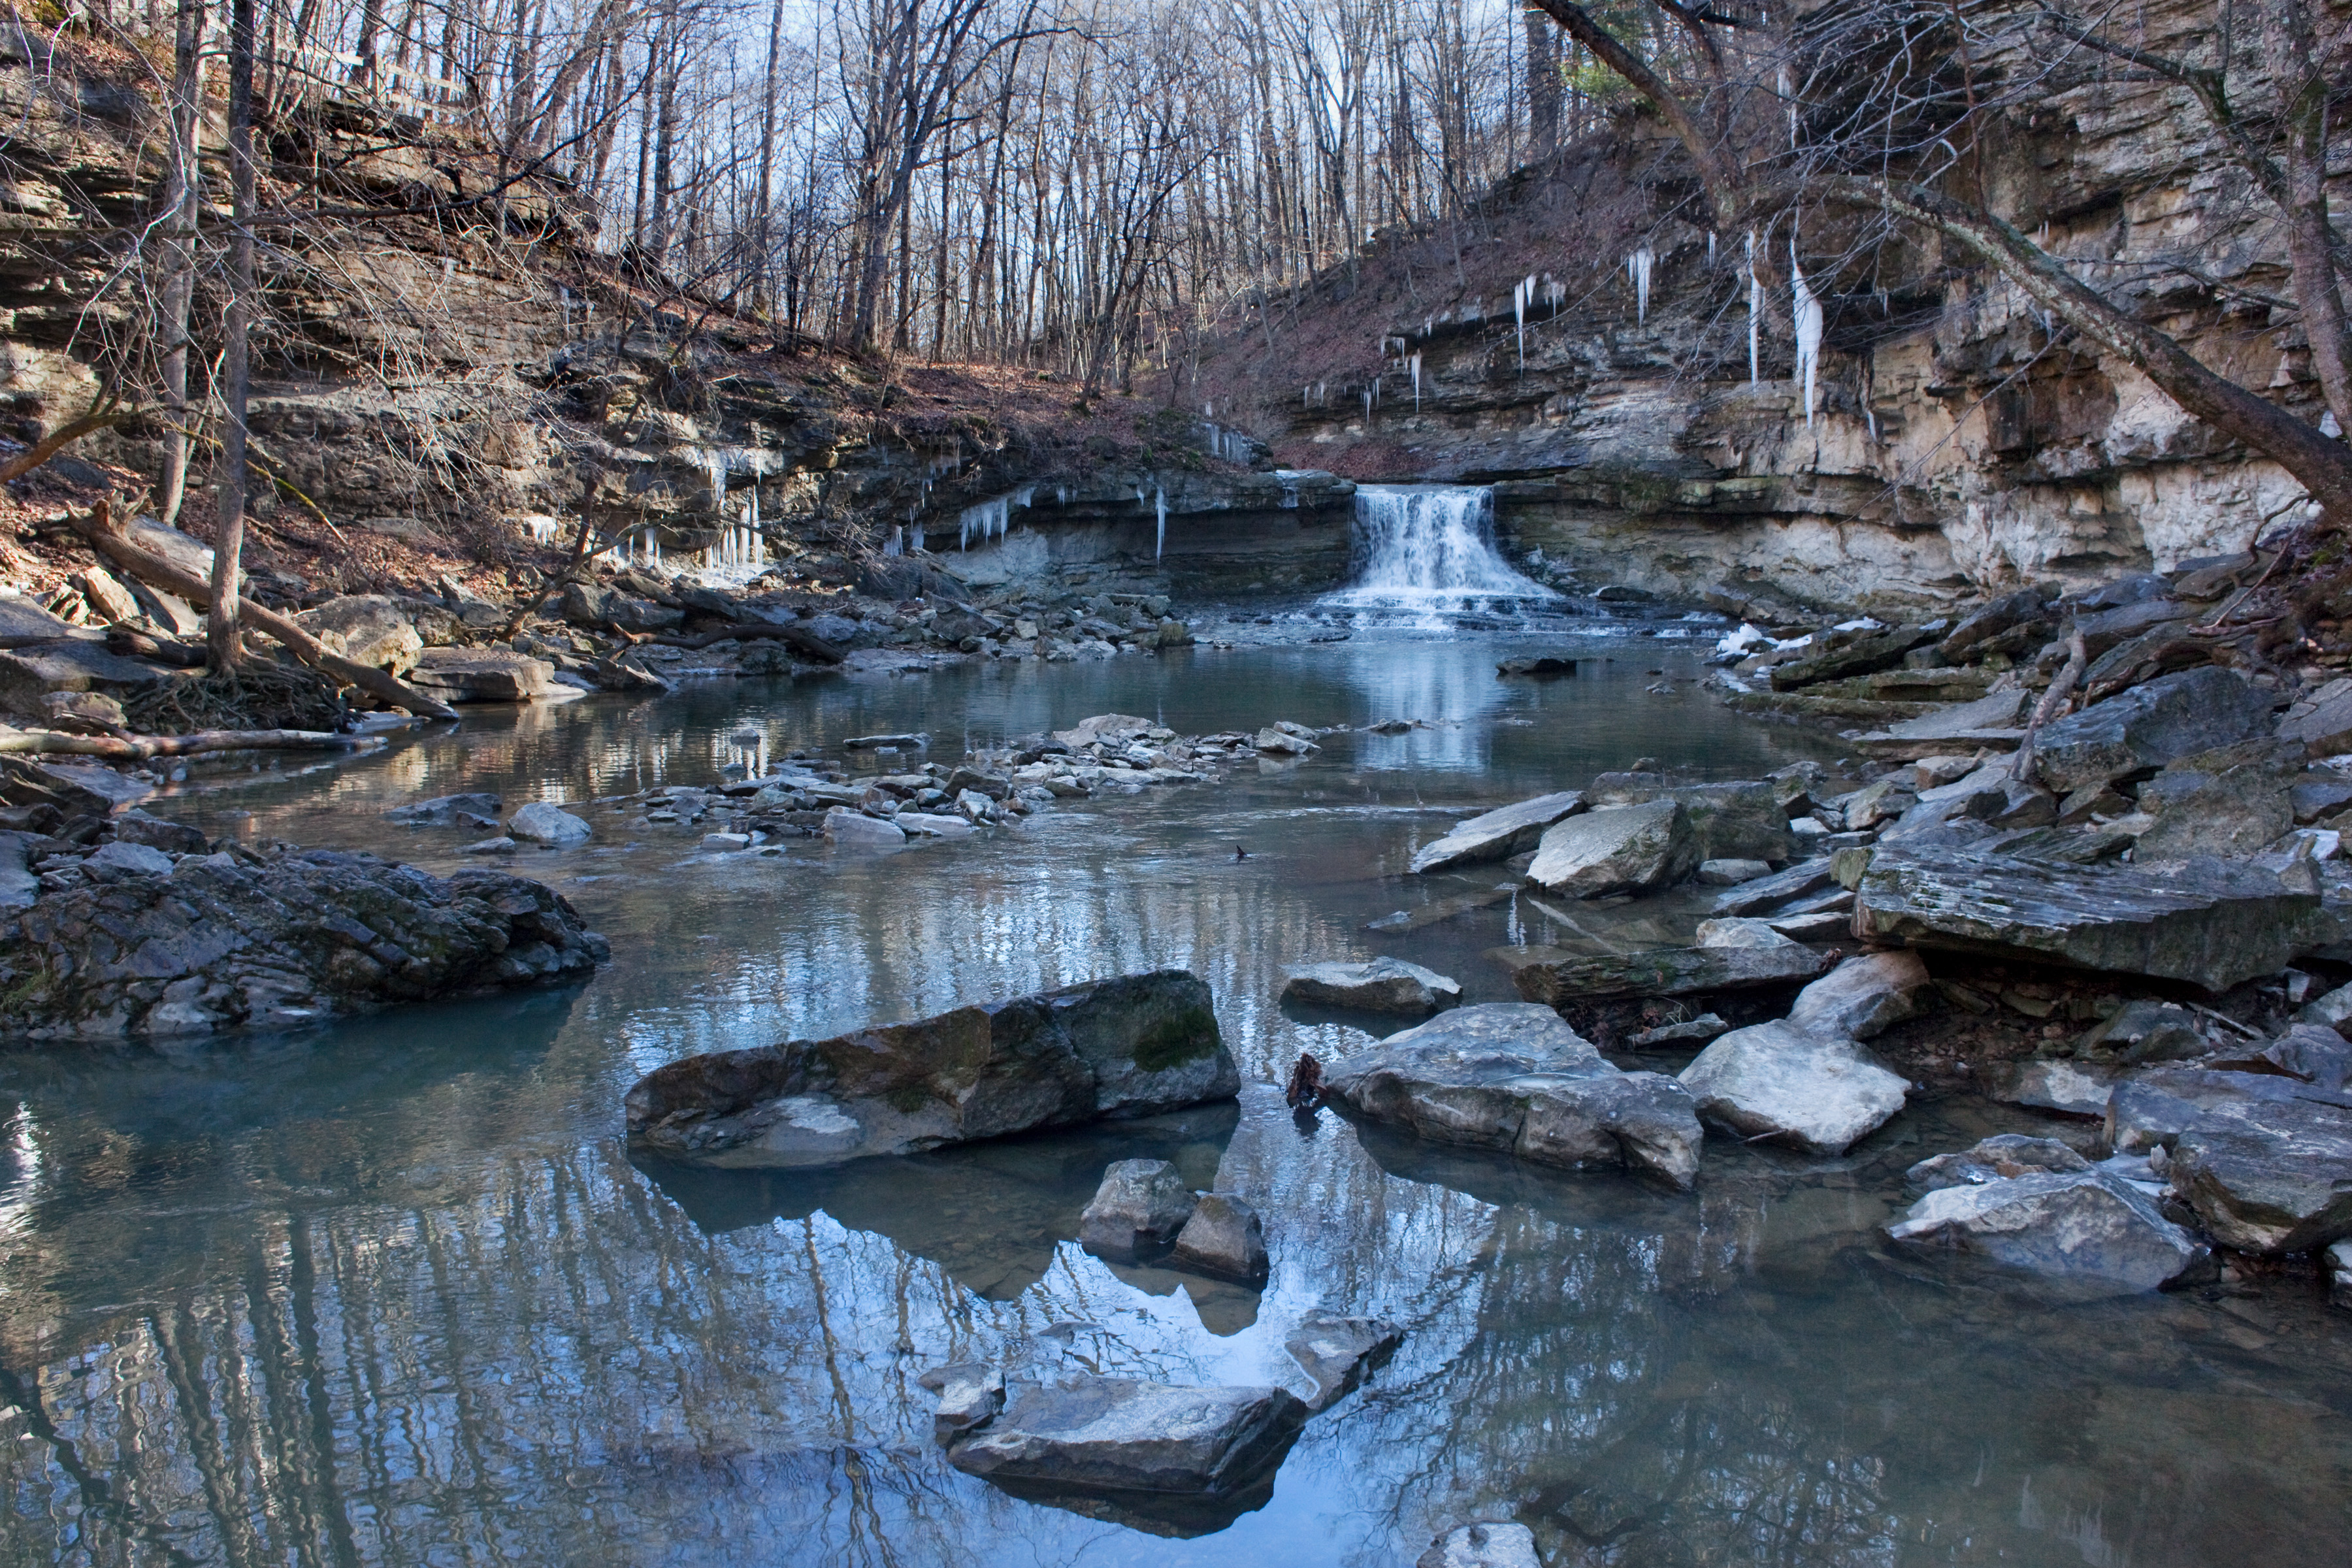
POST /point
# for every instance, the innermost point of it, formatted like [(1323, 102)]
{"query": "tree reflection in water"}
[(395, 1293)]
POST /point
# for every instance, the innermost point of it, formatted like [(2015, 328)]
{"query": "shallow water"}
[(395, 1292)]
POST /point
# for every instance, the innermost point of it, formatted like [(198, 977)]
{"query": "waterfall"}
[(1159, 521), (1808, 331), (1430, 549)]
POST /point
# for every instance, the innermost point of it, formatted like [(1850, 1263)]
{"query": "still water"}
[(395, 1292)]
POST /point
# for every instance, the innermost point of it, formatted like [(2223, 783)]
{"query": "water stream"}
[(394, 1291)]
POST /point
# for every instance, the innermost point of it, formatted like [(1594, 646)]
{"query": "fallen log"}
[(159, 650), (809, 643), (110, 538), (140, 748)]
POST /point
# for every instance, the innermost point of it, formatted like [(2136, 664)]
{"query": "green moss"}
[(1187, 1036)]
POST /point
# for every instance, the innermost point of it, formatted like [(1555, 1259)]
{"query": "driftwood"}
[(2053, 703), (139, 748), (809, 643), (123, 639), (110, 538)]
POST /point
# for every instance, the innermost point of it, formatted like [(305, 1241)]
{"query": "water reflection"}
[(395, 1293)]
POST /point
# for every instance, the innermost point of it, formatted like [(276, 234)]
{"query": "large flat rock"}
[(1115, 1434), (27, 673), (482, 675), (2081, 1225), (1514, 1078), (1738, 819), (1777, 1083), (2214, 923), (1129, 1046), (1497, 835), (1625, 849), (1553, 977), (284, 941), (1376, 985), (2151, 725)]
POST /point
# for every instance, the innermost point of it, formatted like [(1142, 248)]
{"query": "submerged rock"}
[(1124, 1047), (1776, 1083), (2080, 1225), (148, 948), (1223, 1239), (1497, 835), (1336, 1351), (443, 811), (1140, 1208), (971, 1394), (2214, 923), (1993, 1159), (1489, 1545), (1381, 985), (1115, 1434), (1516, 1079), (1625, 849)]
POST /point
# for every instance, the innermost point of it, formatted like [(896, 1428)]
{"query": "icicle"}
[(1521, 298), (897, 545), (1808, 331), (916, 539), (1160, 522), (1755, 310), (1637, 268), (1415, 364), (1710, 250), (1367, 404)]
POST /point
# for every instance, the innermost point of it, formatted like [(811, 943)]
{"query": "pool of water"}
[(396, 1293)]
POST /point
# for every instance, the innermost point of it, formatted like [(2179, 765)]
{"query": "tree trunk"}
[(181, 197), (2292, 56), (221, 636), (1543, 87)]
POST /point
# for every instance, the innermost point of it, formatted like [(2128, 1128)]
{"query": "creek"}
[(394, 1291)]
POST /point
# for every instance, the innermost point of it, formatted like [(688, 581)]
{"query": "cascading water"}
[(1428, 551)]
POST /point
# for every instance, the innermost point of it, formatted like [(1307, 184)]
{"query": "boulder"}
[(843, 826), (2071, 1089), (243, 941), (121, 858), (1225, 1238), (2226, 801), (28, 674), (2073, 1225), (1731, 873), (367, 628), (1862, 996), (1489, 1545), (2268, 1176), (19, 886), (1552, 976), (76, 789), (1497, 835), (457, 675), (1775, 1082), (2311, 1052), (2211, 922), (1105, 727), (1741, 819), (1381, 985), (543, 822), (1283, 743), (1625, 849), (2149, 726), (1764, 893), (1115, 1434), (1516, 1079), (1336, 1351), (1126, 1047), (442, 810), (1864, 654), (970, 1396), (1140, 1208), (2324, 729), (1737, 931), (2338, 1260), (1994, 1159), (2027, 607)]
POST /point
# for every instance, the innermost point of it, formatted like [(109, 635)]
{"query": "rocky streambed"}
[(1583, 1194)]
